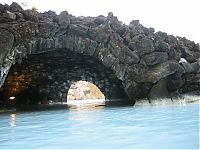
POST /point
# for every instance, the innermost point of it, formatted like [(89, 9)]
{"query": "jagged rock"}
[(47, 17), (115, 24), (100, 35), (174, 54), (80, 30), (30, 15), (192, 83), (6, 43), (140, 59), (189, 55), (47, 29), (191, 67), (64, 19), (136, 28), (175, 81), (9, 15), (100, 20), (142, 46), (19, 16), (188, 67), (155, 58), (4, 8), (159, 90), (161, 36), (196, 66), (162, 46), (135, 90), (125, 55), (141, 74), (14, 7)]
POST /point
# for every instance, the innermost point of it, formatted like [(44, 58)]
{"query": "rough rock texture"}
[(84, 90), (138, 57)]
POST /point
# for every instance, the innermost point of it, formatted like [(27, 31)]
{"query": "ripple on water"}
[(171, 126)]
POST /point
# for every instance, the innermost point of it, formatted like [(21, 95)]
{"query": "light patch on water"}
[(86, 103)]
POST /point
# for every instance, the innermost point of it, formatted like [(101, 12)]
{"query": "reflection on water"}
[(13, 120), (76, 105), (13, 125), (169, 127)]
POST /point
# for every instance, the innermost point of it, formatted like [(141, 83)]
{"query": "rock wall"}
[(147, 63)]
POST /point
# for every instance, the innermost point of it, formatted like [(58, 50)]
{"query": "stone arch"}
[(49, 75), (138, 56)]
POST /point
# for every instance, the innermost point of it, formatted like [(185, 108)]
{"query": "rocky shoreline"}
[(143, 63)]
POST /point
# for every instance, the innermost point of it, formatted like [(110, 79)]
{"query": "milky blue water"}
[(173, 126)]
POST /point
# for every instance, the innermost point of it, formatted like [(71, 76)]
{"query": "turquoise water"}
[(173, 126)]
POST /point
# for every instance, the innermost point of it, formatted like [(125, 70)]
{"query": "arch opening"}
[(84, 92), (46, 77)]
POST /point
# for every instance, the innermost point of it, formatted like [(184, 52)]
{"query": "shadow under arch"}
[(49, 75)]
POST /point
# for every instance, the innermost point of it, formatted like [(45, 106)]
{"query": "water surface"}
[(172, 126)]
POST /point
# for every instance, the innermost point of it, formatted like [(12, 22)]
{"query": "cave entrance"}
[(84, 92)]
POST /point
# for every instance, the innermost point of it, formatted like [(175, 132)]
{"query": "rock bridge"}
[(42, 54)]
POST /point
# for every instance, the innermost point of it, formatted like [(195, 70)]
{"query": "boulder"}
[(141, 74), (141, 45), (187, 67), (135, 90), (175, 82), (159, 90), (174, 54), (190, 67), (192, 83), (19, 16), (100, 35), (162, 46), (127, 56), (30, 15), (14, 7), (136, 28), (64, 19), (155, 58), (99, 20), (6, 43), (47, 17), (47, 29), (4, 8), (196, 66), (79, 30), (9, 15)]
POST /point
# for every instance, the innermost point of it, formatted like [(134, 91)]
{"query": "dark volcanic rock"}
[(144, 62), (4, 8), (155, 58), (14, 7), (30, 15), (162, 46), (141, 45), (128, 56), (6, 43), (64, 19), (100, 20), (159, 90), (9, 15), (141, 74)]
